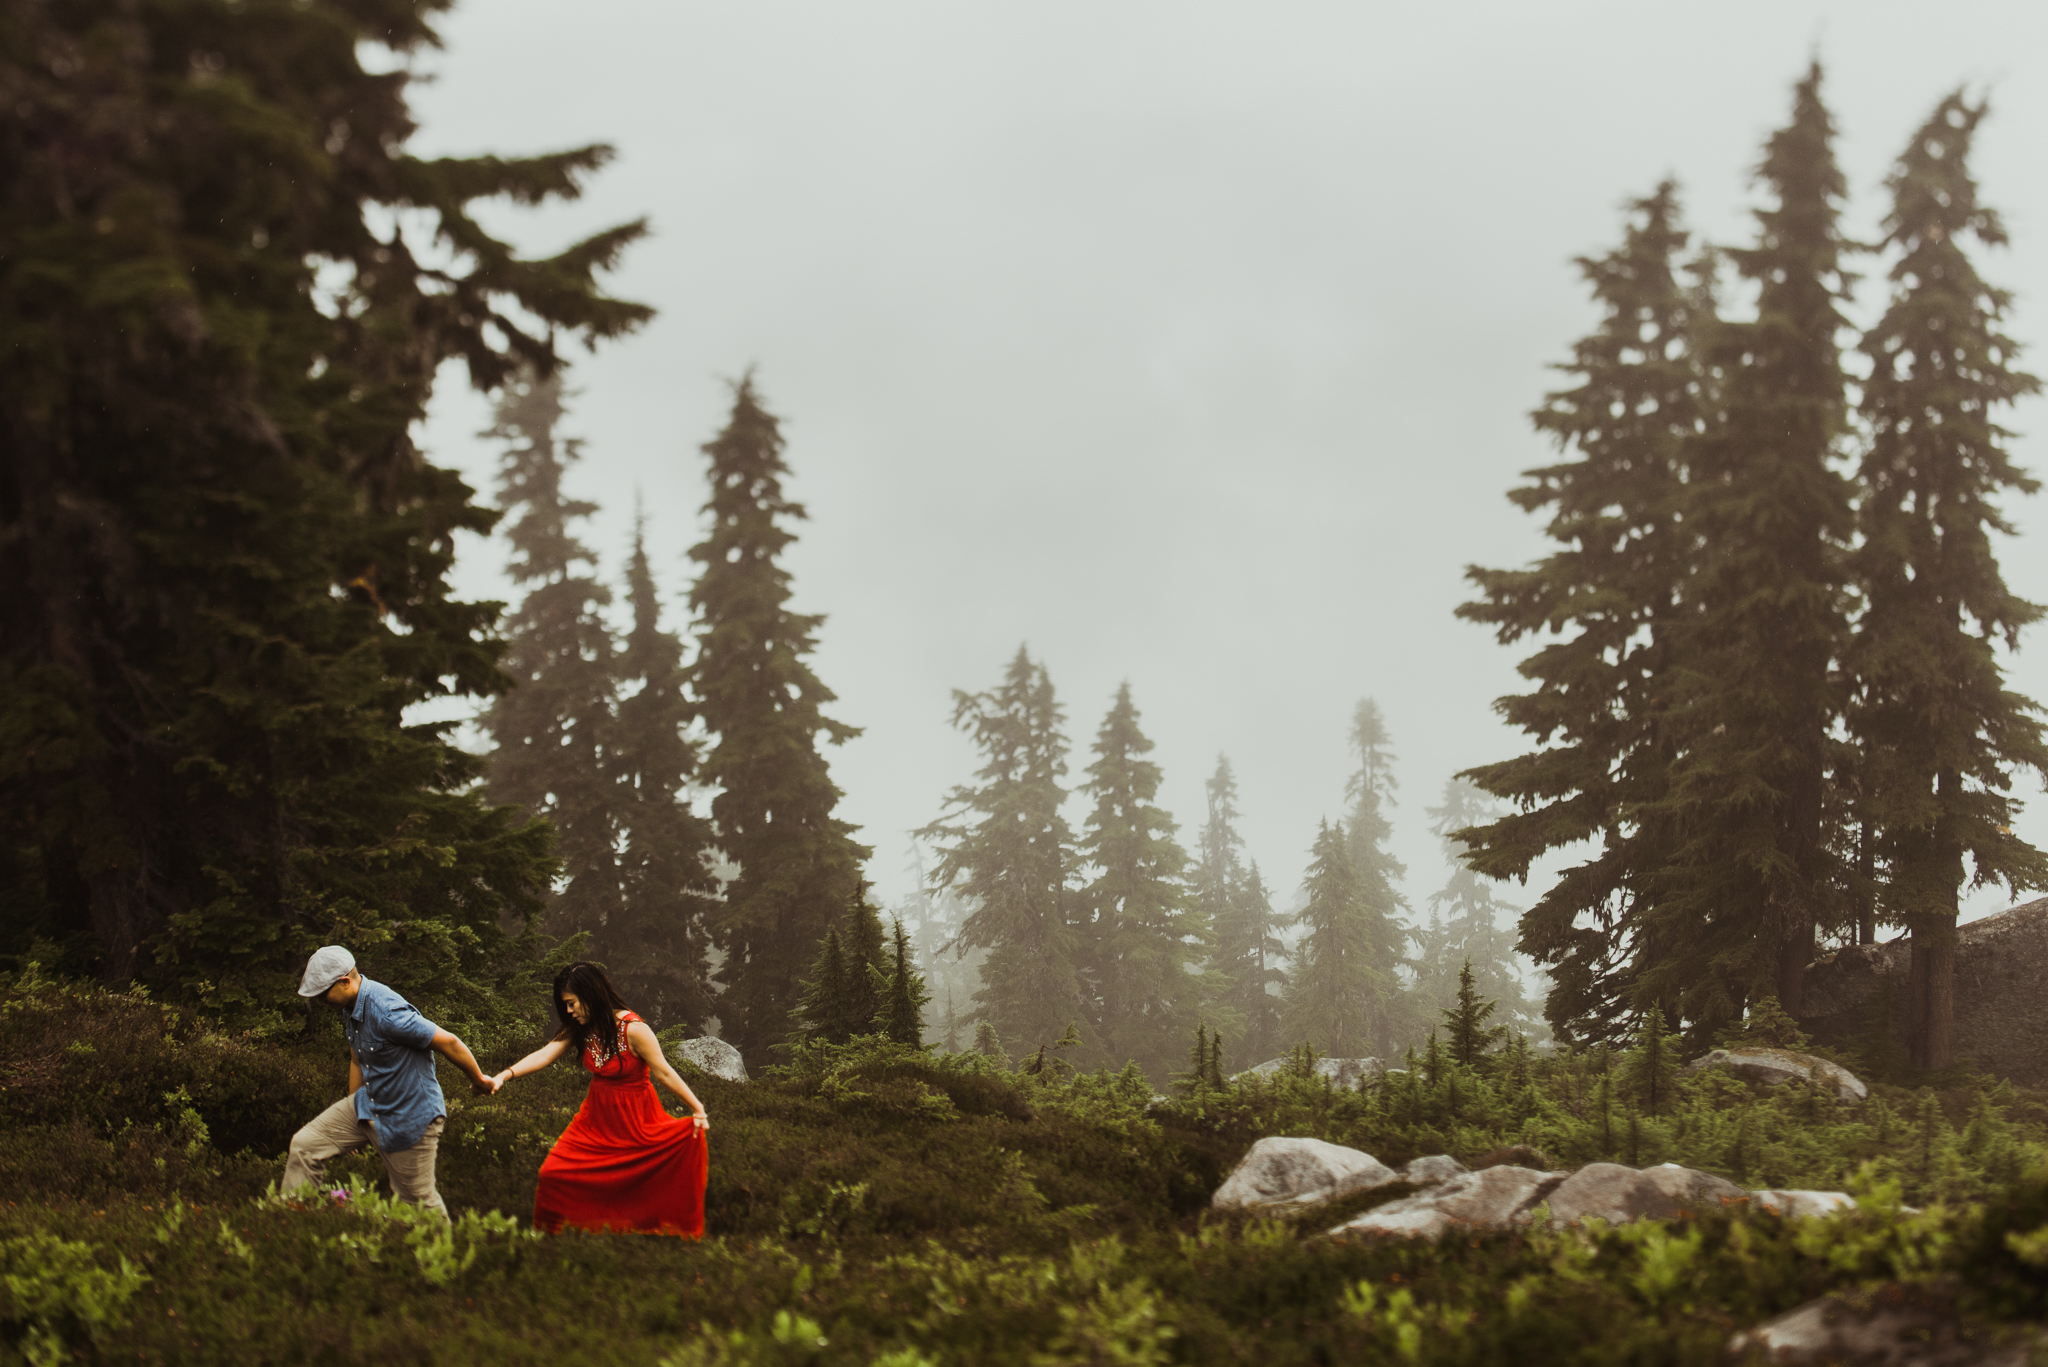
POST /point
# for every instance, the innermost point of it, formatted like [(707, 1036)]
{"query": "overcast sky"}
[(1190, 344)]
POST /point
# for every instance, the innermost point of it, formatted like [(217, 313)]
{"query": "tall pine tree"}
[(1233, 899), (552, 733), (655, 945), (1752, 877), (1465, 935), (847, 992), (1142, 935), (1005, 849), (1343, 996), (1612, 593), (226, 562), (1378, 873), (753, 686), (1932, 702)]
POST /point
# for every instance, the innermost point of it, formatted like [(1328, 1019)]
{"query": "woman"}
[(624, 1163)]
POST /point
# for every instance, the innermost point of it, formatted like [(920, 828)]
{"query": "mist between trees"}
[(1024, 932), (1765, 695)]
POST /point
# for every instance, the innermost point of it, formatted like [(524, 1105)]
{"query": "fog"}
[(1189, 344)]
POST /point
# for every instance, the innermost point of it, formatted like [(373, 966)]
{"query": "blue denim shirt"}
[(399, 1092)]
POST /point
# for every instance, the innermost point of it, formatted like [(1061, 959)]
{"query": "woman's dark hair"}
[(596, 992)]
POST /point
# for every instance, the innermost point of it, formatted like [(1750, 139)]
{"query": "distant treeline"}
[(1114, 933)]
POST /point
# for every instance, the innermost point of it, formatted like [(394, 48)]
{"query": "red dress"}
[(624, 1164)]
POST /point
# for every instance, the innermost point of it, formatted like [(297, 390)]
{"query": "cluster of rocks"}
[(1282, 1176)]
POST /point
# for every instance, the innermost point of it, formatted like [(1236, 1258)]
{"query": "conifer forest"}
[(1201, 1015)]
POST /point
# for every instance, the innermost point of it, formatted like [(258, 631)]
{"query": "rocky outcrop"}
[(1342, 1072), (1428, 1172), (1776, 1067), (1280, 1176), (1283, 1175), (1618, 1194), (1897, 1326), (1491, 1199), (712, 1056), (2001, 1021)]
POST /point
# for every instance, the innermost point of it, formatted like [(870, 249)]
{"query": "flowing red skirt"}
[(625, 1164)]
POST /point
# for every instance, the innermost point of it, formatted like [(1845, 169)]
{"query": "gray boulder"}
[(1618, 1194), (1279, 1175), (2001, 1020), (1342, 1072), (1486, 1201), (1800, 1205), (712, 1056), (1897, 1327), (1776, 1067), (1428, 1172)]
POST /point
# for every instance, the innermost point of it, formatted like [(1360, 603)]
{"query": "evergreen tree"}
[(1737, 905), (825, 1012), (846, 993), (226, 562), (1007, 851), (1342, 995), (552, 734), (799, 864), (1142, 935), (1932, 704), (1251, 937), (1650, 1069), (1232, 899), (655, 945), (951, 971), (988, 1044), (1378, 873), (905, 996), (1470, 1037), (1465, 918), (1612, 593)]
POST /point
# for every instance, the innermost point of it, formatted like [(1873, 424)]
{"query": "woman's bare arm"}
[(538, 1059), (648, 1050)]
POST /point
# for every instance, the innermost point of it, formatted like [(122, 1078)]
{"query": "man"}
[(394, 1103)]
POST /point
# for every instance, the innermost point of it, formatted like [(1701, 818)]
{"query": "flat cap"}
[(328, 966)]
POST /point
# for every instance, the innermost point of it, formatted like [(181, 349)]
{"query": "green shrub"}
[(55, 1296)]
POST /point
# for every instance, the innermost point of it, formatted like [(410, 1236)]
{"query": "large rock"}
[(1280, 1175), (713, 1056), (1342, 1072), (1480, 1202), (1800, 1205), (1777, 1067), (1618, 1194), (1897, 1327), (1428, 1172), (2001, 1020)]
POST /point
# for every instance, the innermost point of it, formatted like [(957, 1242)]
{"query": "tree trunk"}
[(1866, 890), (1934, 1040), (1795, 952), (1934, 995)]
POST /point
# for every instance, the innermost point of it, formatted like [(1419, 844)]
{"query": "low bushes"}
[(874, 1204)]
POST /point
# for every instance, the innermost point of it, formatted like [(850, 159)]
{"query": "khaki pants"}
[(336, 1131)]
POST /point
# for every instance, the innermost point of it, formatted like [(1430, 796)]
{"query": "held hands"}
[(485, 1086)]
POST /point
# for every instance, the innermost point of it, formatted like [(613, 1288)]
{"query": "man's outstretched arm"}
[(457, 1053)]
